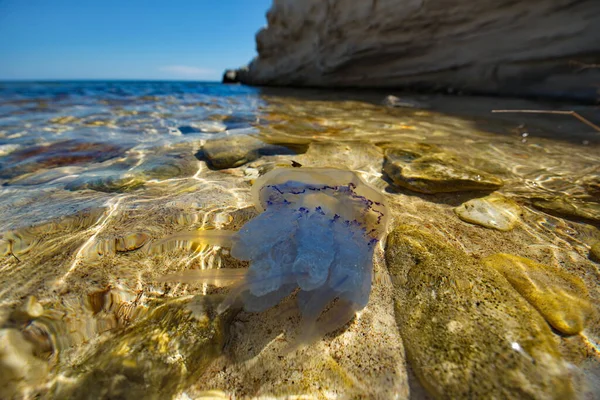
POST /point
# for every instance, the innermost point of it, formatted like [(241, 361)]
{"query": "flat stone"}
[(467, 332), (569, 208), (234, 151), (495, 212), (561, 298), (426, 169)]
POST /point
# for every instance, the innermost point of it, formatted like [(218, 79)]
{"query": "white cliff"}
[(537, 47)]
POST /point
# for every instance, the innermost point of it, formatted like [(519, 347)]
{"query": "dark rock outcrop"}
[(230, 76)]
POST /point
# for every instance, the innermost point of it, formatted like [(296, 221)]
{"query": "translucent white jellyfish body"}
[(316, 234)]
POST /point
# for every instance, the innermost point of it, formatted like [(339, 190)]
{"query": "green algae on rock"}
[(467, 332), (427, 169), (154, 358), (560, 297), (569, 208), (495, 211), (595, 251)]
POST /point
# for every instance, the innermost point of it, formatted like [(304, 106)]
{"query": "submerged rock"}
[(106, 182), (20, 370), (426, 169), (166, 166), (467, 332), (495, 211), (560, 297), (234, 151), (153, 359), (70, 152), (569, 208)]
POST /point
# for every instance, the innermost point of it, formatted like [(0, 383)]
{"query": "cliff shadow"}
[(478, 111)]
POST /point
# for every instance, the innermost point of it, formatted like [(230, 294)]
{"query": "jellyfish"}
[(315, 235)]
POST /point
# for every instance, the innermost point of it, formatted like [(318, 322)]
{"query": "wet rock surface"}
[(426, 169), (559, 296), (467, 332), (495, 212)]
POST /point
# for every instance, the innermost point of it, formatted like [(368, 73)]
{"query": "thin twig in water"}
[(573, 113), (15, 256), (583, 66)]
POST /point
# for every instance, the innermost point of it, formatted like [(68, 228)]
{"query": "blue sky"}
[(127, 39)]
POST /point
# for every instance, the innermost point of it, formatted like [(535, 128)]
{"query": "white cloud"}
[(186, 71)]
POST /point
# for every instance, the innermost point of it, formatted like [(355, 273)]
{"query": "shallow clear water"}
[(93, 172)]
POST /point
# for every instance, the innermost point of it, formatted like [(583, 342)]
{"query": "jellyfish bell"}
[(315, 234)]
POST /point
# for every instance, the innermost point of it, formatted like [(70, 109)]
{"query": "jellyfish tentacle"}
[(336, 317), (216, 277), (315, 251), (250, 281), (221, 238)]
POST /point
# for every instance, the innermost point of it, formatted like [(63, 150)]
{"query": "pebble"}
[(495, 212)]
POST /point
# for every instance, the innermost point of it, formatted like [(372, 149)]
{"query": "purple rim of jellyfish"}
[(293, 187)]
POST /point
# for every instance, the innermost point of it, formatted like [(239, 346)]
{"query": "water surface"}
[(93, 172)]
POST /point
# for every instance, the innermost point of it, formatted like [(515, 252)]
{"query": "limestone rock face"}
[(544, 47)]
